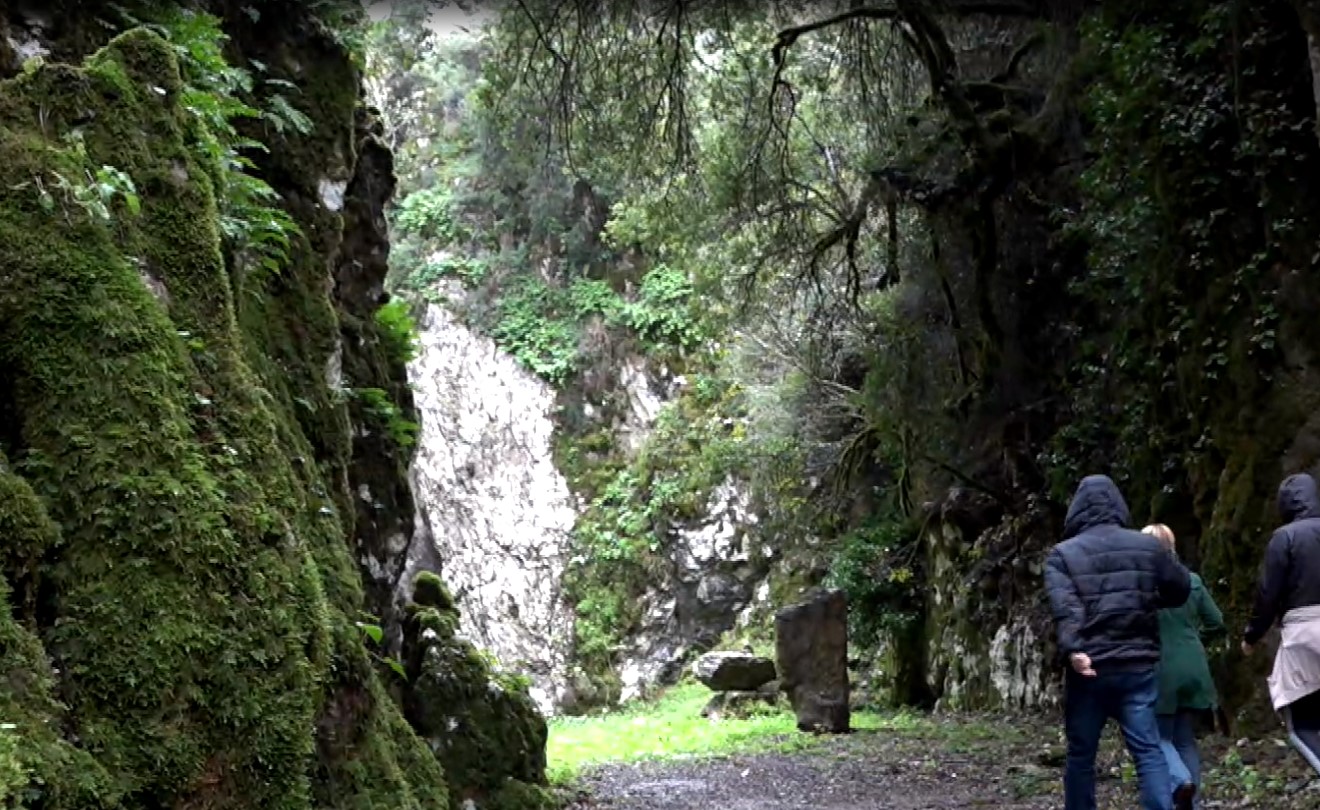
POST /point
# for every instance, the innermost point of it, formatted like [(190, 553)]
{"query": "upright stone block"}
[(811, 651)]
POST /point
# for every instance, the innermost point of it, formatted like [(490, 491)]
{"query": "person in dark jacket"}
[(1289, 592), (1106, 586)]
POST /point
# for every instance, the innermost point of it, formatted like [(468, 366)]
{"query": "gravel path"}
[(793, 782), (939, 766)]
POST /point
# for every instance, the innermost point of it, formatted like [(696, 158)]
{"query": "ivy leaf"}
[(373, 631)]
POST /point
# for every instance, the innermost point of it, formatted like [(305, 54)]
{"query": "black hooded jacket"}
[(1107, 583), (1290, 576)]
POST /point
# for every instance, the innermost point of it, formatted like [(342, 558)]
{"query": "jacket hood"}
[(1298, 498), (1097, 503)]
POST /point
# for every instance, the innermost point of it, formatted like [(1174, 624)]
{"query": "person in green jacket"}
[(1186, 688)]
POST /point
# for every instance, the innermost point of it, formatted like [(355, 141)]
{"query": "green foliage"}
[(546, 297), (95, 193), (256, 228), (429, 214), (665, 312), (398, 331), (879, 567), (13, 773), (380, 408), (1151, 391), (471, 272), (539, 324)]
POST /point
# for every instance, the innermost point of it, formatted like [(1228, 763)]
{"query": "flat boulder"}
[(732, 671), (811, 651)]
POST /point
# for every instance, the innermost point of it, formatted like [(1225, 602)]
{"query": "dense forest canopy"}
[(986, 246)]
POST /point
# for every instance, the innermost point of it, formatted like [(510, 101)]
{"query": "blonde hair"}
[(1162, 533)]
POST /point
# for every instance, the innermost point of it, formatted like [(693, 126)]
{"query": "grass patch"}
[(671, 727)]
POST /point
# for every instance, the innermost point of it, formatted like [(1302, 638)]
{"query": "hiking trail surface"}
[(921, 763)]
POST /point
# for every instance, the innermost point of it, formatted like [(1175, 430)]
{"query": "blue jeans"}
[(1303, 721), (1129, 698), (1178, 740)]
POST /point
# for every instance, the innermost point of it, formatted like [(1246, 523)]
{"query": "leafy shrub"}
[(663, 312), (470, 271), (398, 331), (541, 325), (378, 405), (13, 774), (878, 567), (429, 213)]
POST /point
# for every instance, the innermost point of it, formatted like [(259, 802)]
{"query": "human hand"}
[(1081, 664), (1248, 649)]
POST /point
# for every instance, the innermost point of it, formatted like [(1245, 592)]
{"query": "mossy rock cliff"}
[(482, 724), (177, 530)]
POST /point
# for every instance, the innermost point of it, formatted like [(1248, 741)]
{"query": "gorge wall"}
[(205, 434), (493, 506), (500, 516)]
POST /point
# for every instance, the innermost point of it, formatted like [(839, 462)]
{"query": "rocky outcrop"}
[(988, 635), (811, 654), (377, 473), (198, 587), (716, 565), (481, 723), (497, 513)]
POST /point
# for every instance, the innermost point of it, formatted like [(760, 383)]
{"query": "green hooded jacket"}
[(1184, 672)]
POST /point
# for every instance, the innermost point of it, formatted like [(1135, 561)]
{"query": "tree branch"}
[(789, 36), (1015, 61)]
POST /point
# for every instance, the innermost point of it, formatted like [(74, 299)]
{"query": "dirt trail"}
[(797, 782), (931, 766)]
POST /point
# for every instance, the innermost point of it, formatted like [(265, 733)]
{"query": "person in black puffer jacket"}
[(1289, 593), (1106, 586)]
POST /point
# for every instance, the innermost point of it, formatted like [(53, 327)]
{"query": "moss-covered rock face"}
[(192, 582), (482, 724), (31, 751), (181, 511)]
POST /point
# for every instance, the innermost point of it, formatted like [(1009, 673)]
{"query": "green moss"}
[(371, 759), (35, 763), (444, 623), (430, 591), (520, 796), (484, 733), (481, 724), (202, 579)]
